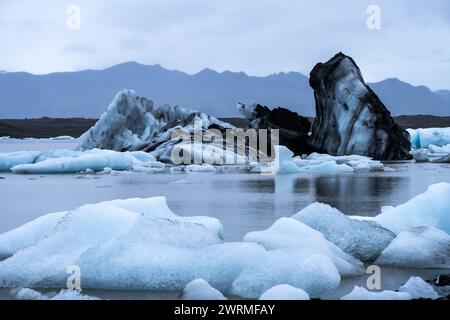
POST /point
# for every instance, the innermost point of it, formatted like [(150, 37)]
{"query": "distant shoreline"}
[(52, 127)]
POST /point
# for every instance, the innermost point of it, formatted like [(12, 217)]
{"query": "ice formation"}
[(320, 163), (415, 288), (360, 293), (9, 160), (418, 247), (432, 154), (423, 138), (350, 118), (429, 208), (199, 289), (363, 240), (69, 161), (283, 162), (284, 292), (28, 234), (419, 289), (133, 123), (291, 233), (64, 294)]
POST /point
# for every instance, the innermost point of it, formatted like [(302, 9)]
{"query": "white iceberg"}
[(64, 294), (414, 288), (359, 293), (69, 161), (429, 208), (419, 289), (199, 289), (283, 162), (363, 240), (28, 234), (355, 162), (433, 154), (291, 233), (9, 160), (151, 208), (127, 124), (284, 292), (316, 274), (418, 247), (422, 138)]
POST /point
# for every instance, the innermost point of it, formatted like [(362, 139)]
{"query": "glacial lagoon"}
[(241, 200)]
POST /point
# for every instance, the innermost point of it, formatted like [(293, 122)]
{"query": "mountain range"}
[(87, 93)]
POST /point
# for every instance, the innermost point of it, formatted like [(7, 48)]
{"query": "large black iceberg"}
[(350, 118)]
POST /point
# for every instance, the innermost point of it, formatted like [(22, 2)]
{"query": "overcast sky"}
[(255, 36)]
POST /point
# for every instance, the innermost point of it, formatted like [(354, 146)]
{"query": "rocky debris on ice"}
[(293, 128), (350, 118), (199, 289), (423, 138), (284, 292), (415, 288), (433, 154), (133, 123), (363, 240), (429, 208), (418, 247), (69, 161), (64, 294)]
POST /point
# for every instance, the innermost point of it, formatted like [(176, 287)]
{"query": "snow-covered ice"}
[(291, 233), (199, 289), (321, 163), (414, 288), (284, 292), (434, 154), (28, 234), (64, 294), (429, 208), (9, 160), (360, 293), (419, 289), (363, 240), (422, 138), (418, 247), (69, 161)]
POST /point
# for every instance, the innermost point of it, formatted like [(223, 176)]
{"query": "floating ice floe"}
[(298, 256), (141, 244), (429, 208), (9, 160), (364, 240), (284, 292), (199, 289), (432, 154), (320, 163), (64, 294), (422, 138), (415, 288), (69, 161), (419, 289), (360, 293), (200, 168), (418, 247)]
